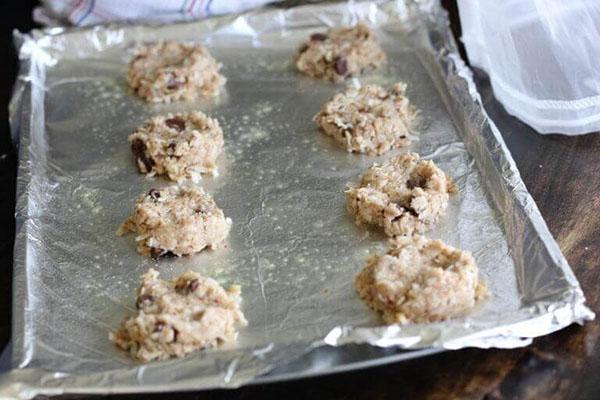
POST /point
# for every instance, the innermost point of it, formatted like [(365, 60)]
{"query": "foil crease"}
[(293, 248)]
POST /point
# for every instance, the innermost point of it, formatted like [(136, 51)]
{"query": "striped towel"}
[(92, 12)]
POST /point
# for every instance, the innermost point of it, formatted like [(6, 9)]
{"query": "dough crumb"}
[(340, 53), (420, 280), (180, 316), (176, 221), (181, 146), (168, 71), (404, 195), (370, 119)]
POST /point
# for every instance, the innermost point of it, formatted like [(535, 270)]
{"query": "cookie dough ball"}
[(369, 120), (181, 146), (340, 53), (176, 221), (420, 280), (404, 195), (179, 316), (169, 71)]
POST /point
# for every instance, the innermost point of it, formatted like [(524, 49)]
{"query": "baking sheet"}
[(293, 247)]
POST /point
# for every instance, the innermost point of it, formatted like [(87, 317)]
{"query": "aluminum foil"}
[(293, 247)]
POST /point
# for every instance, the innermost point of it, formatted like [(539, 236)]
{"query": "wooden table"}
[(563, 176)]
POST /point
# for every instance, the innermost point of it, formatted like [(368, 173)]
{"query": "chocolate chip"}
[(175, 123), (144, 300), (199, 211), (174, 83), (303, 48), (138, 147), (154, 194), (193, 285), (160, 326), (147, 161), (156, 252), (417, 181), (198, 316), (412, 211), (171, 148), (341, 66), (319, 37)]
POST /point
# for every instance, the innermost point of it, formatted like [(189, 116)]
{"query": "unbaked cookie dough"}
[(370, 119), (340, 53), (176, 221), (181, 146), (169, 71), (420, 280), (404, 195), (180, 316)]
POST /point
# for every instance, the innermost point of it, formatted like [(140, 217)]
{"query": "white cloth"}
[(541, 57), (92, 12)]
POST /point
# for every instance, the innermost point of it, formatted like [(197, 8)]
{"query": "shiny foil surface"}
[(293, 247)]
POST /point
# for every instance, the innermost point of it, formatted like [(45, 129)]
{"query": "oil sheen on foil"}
[(293, 247)]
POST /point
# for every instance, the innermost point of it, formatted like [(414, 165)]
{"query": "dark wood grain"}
[(563, 176)]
